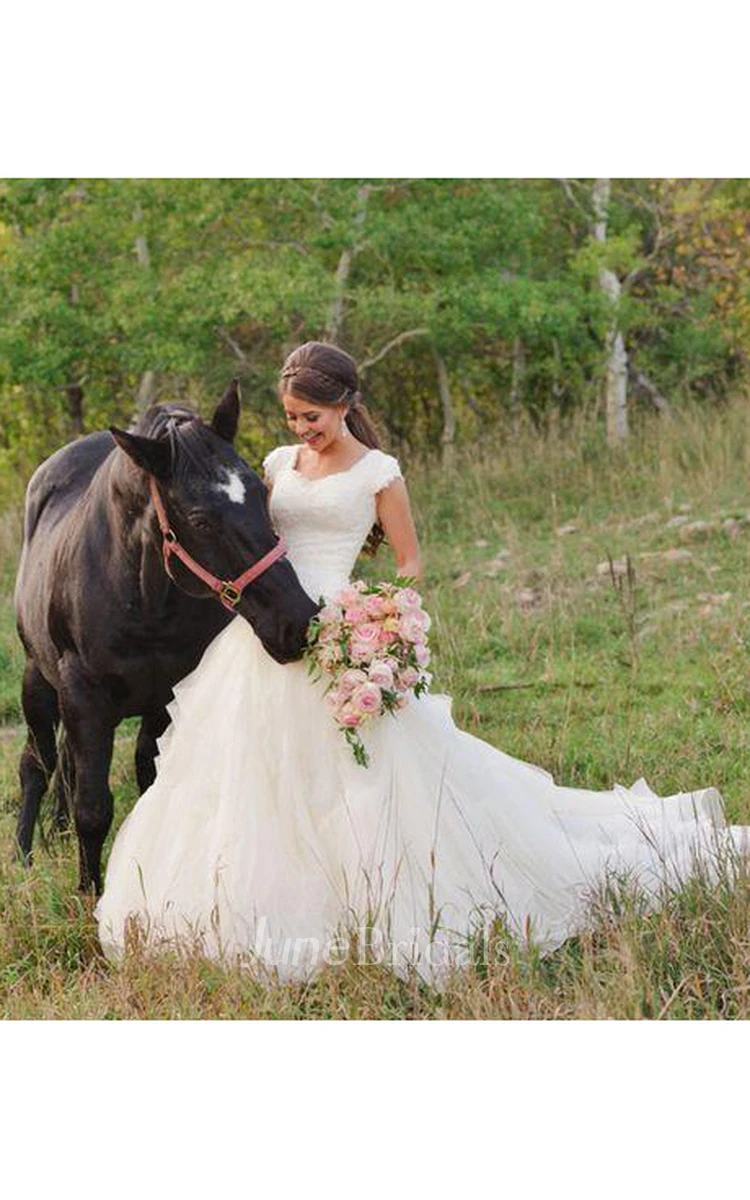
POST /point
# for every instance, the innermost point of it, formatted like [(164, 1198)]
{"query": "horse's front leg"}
[(90, 730), (153, 724), (92, 746)]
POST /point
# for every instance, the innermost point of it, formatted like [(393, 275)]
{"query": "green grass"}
[(546, 657)]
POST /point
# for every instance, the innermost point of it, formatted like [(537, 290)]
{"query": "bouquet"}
[(372, 642)]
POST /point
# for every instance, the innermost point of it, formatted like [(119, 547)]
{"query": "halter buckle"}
[(229, 595)]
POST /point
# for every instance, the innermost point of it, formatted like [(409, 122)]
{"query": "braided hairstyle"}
[(325, 375)]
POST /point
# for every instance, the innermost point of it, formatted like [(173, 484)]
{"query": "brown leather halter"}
[(229, 592)]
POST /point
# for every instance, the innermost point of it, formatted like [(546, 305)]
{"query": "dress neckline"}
[(331, 474)]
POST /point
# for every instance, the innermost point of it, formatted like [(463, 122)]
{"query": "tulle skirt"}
[(262, 841)]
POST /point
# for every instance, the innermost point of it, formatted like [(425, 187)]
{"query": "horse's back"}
[(60, 481)]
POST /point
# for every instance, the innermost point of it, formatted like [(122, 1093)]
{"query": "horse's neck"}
[(124, 489), (121, 495), (134, 529)]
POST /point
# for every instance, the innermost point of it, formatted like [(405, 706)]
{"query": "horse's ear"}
[(227, 414), (145, 452)]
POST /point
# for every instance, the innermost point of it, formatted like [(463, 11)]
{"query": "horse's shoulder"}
[(63, 477)]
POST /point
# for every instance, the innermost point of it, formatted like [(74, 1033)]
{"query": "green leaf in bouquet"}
[(358, 750)]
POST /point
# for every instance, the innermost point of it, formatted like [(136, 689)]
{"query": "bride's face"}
[(318, 426)]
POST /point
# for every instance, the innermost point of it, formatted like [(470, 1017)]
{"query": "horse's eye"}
[(199, 520)]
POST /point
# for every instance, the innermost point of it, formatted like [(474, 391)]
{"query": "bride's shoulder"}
[(382, 469), (279, 457)]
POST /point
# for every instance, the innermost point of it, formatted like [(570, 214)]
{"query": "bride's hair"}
[(327, 375)]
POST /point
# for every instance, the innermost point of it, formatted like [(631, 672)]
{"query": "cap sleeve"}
[(384, 470), (275, 459)]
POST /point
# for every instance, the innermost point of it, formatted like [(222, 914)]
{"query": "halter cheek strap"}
[(228, 591)]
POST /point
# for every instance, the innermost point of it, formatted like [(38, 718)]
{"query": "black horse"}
[(106, 630)]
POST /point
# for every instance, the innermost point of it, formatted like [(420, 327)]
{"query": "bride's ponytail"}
[(359, 422)]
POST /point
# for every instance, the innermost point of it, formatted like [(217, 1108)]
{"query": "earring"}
[(344, 430)]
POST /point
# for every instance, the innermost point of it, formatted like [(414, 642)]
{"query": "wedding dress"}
[(262, 838)]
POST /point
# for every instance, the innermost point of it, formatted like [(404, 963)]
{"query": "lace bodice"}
[(325, 521)]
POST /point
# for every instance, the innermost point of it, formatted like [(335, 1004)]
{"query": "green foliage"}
[(104, 280)]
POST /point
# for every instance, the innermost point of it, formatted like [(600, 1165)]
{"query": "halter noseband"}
[(229, 592)]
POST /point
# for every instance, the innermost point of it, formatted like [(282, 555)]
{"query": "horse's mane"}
[(187, 435), (156, 421)]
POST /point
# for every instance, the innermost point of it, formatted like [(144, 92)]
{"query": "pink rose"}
[(361, 649), (409, 676), (358, 652), (366, 699), (329, 612), (374, 606), (368, 633), (354, 614), (411, 628), (407, 598), (347, 595), (349, 718), (333, 699), (422, 654), (387, 637), (381, 674), (418, 614), (351, 679)]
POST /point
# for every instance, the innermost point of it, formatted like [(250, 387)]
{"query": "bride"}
[(262, 840)]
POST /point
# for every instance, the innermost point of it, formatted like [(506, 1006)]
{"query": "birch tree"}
[(147, 386), (516, 386), (343, 270), (616, 379)]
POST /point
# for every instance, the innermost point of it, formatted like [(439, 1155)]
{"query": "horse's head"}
[(216, 506)]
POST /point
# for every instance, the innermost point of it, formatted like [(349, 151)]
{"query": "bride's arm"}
[(394, 514)]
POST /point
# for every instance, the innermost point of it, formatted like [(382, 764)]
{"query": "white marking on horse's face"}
[(234, 487)]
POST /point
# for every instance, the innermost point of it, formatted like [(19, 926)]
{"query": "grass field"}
[(597, 673)]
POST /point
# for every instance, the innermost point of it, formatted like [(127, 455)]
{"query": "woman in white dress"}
[(262, 840)]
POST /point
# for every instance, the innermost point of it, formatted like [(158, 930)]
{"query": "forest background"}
[(471, 305)]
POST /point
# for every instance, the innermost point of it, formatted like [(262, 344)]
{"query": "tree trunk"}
[(446, 405), (141, 245), (147, 386), (516, 385), (660, 402), (74, 392), (558, 388), (146, 391), (616, 384), (336, 312)]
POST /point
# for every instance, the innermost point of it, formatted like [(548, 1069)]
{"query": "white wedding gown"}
[(262, 838)]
